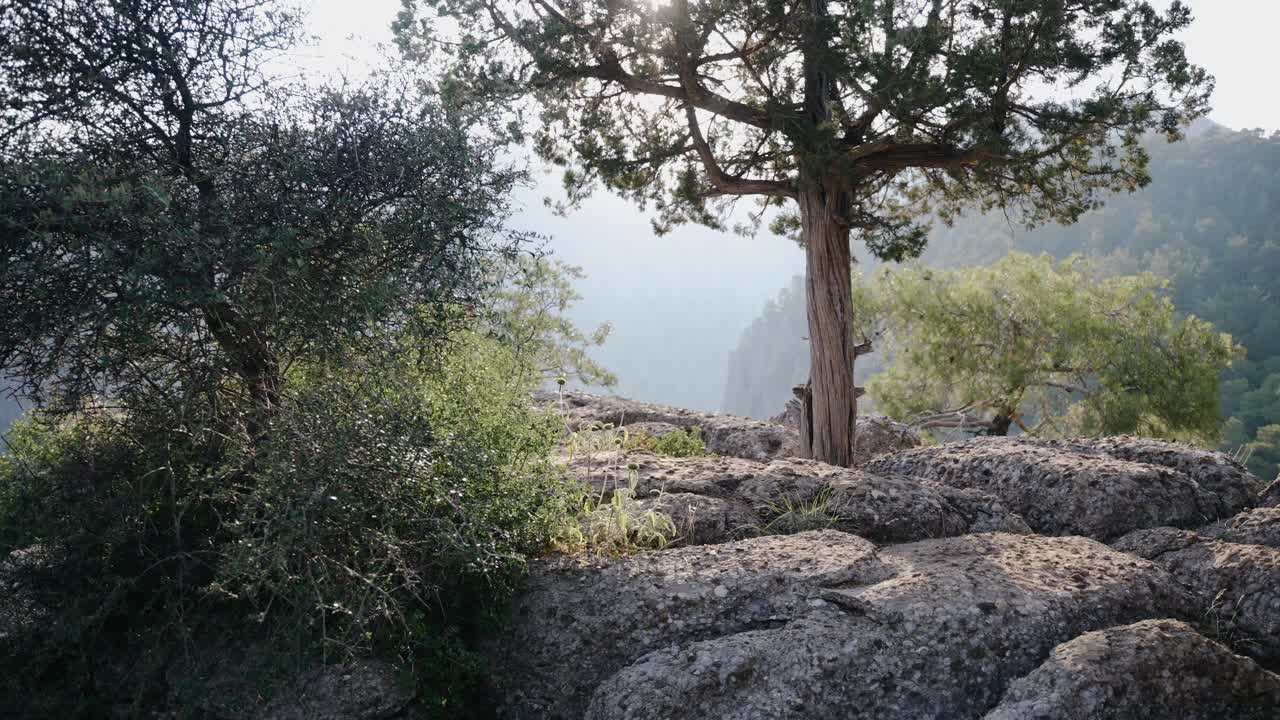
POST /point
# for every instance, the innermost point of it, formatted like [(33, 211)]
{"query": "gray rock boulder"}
[(1229, 481), (1259, 526), (724, 434), (1064, 488), (355, 690), (818, 624), (1237, 585), (726, 498), (876, 434), (1154, 669)]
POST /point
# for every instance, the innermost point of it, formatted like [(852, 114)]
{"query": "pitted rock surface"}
[(1259, 526), (1233, 485), (1238, 585), (876, 434), (756, 498), (703, 519), (1154, 669), (1062, 488), (356, 690), (724, 434), (818, 624)]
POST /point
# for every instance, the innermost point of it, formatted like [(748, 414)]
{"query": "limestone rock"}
[(1238, 585), (789, 495), (1259, 526), (724, 434), (355, 690), (1071, 488), (1234, 486), (818, 624), (1154, 669), (702, 519), (876, 434)]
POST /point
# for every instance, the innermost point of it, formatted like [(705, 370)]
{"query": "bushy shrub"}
[(681, 442), (388, 511)]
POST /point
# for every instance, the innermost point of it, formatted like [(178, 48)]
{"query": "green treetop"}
[(1049, 347)]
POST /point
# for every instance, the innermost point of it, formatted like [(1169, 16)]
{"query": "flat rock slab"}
[(1259, 526), (818, 624), (1229, 481), (1154, 669), (742, 498), (723, 434), (1078, 488), (1238, 585)]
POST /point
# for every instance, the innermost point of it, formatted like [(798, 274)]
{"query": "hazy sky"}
[(679, 302)]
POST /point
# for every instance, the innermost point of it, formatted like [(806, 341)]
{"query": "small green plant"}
[(788, 515), (683, 442), (641, 440), (1220, 623), (614, 524)]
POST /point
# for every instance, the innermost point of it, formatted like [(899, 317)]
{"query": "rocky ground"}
[(996, 579), (968, 580)]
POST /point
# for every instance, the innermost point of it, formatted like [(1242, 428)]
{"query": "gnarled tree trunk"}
[(824, 206)]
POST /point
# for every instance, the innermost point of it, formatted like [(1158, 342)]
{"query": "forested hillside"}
[(1209, 221)]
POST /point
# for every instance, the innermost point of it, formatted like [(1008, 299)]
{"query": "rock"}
[(1229, 481), (1153, 669), (818, 624), (1259, 526), (1070, 488), (790, 495), (876, 434), (1270, 495), (701, 519), (355, 690), (724, 434), (1238, 585)]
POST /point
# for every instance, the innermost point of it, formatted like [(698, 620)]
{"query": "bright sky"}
[(1229, 37), (705, 287)]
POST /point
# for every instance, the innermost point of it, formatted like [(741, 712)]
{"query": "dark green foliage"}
[(265, 440), (397, 506), (687, 105), (179, 214)]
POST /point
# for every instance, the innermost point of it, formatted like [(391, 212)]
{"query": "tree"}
[(175, 223), (861, 115), (528, 314), (1050, 347), (1262, 455)]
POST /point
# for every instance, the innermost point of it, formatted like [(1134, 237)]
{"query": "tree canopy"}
[(1051, 348), (866, 113), (173, 220)]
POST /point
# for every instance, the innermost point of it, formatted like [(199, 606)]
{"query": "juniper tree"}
[(859, 118)]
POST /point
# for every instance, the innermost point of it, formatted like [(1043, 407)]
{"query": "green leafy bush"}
[(681, 442), (393, 511), (685, 442)]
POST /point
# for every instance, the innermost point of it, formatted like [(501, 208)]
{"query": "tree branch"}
[(726, 184)]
